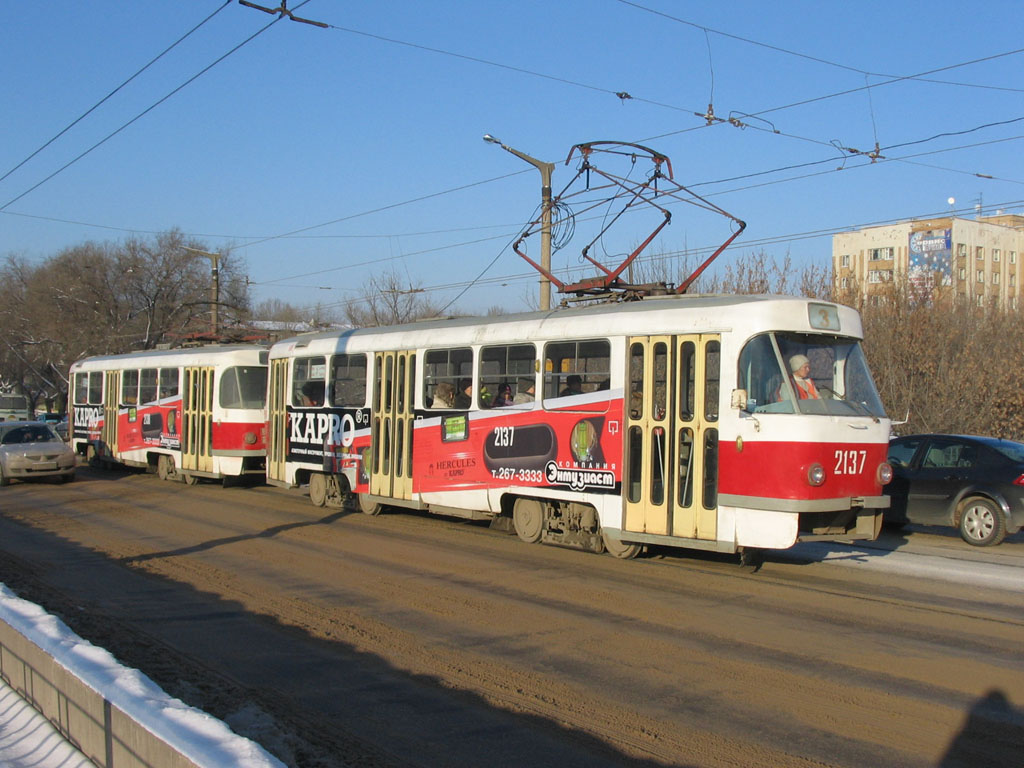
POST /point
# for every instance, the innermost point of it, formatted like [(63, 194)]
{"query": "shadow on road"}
[(993, 730)]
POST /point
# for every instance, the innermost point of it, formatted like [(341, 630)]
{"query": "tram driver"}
[(802, 381)]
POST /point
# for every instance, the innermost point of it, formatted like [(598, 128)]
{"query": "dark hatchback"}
[(975, 484)]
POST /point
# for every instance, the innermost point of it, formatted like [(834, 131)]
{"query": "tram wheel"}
[(751, 558), (318, 489), (189, 478), (165, 467), (528, 519), (368, 507), (621, 549)]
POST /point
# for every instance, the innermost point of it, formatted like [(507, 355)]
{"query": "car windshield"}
[(807, 373), (30, 433)]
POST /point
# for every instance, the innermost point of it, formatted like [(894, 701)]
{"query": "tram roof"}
[(178, 356), (698, 313)]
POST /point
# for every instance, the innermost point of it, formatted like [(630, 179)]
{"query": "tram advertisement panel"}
[(569, 450), (153, 425), (334, 439)]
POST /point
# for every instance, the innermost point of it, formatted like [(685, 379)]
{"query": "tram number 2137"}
[(850, 462)]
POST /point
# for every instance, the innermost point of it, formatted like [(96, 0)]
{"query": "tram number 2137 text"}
[(850, 462)]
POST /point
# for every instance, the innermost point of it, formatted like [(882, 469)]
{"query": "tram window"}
[(687, 378), (684, 485), (130, 387), (96, 388), (634, 471), (761, 376), (454, 366), (711, 469), (147, 385), (400, 390), (657, 494), (243, 387), (308, 381), (636, 381), (389, 373), (168, 383), (659, 402), (81, 388), (576, 368), (348, 381), (512, 366), (712, 364)]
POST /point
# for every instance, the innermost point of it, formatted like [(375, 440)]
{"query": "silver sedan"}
[(32, 449)]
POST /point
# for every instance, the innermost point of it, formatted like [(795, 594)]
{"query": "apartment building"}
[(975, 260)]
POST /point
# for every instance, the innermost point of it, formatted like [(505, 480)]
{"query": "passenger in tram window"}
[(504, 396), (444, 394), (636, 402), (464, 398), (524, 392), (802, 381), (313, 393), (573, 386)]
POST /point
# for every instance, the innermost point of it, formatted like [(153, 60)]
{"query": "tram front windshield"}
[(807, 373)]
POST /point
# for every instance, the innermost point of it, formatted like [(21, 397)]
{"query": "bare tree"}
[(104, 298), (387, 300)]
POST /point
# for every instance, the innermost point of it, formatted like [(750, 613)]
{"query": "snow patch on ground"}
[(202, 738)]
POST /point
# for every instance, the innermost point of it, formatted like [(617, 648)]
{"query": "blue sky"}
[(323, 155)]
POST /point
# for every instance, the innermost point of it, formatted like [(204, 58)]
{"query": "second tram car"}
[(184, 413), (724, 423)]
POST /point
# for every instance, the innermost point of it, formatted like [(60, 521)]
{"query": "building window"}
[(981, 301), (880, 276), (1013, 281), (979, 253), (995, 255), (1013, 302), (963, 273), (880, 254), (961, 250), (844, 283), (995, 278), (845, 260), (1013, 257), (981, 275)]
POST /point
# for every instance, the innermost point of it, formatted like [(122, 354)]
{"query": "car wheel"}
[(981, 523), (4, 480)]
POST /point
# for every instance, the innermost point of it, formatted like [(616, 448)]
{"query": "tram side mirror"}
[(739, 399)]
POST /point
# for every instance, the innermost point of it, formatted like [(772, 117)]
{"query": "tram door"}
[(197, 420), (391, 428), (111, 400), (671, 465), (277, 414)]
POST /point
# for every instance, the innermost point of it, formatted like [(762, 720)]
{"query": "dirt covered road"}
[(338, 639)]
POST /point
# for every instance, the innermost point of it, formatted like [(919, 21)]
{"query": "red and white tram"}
[(681, 420), (184, 413)]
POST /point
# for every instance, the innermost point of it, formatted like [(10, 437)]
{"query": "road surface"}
[(338, 639)]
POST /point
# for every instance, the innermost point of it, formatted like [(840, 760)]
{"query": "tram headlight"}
[(249, 438), (815, 474), (884, 472)]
